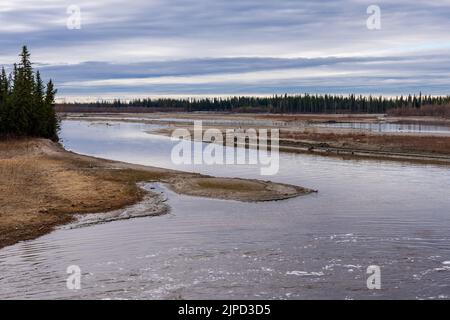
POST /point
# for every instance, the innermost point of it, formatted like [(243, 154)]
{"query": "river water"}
[(390, 214)]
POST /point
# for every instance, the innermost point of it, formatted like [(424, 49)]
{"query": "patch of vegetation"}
[(222, 184), (442, 111)]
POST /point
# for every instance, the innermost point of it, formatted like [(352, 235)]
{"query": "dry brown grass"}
[(383, 142), (442, 111), (39, 192), (237, 185)]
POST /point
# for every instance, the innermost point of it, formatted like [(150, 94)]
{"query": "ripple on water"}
[(389, 214)]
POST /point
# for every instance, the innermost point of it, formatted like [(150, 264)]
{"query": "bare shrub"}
[(427, 110)]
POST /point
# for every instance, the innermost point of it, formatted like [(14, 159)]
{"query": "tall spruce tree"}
[(4, 88), (52, 124), (39, 113), (22, 95), (26, 105)]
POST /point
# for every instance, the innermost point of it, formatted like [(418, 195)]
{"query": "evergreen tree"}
[(38, 125), (22, 96), (52, 124), (4, 88), (26, 106)]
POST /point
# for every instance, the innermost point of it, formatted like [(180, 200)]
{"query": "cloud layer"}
[(190, 47)]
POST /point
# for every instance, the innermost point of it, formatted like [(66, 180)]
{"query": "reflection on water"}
[(390, 127), (389, 214)]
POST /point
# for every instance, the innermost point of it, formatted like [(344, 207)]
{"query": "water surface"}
[(391, 214)]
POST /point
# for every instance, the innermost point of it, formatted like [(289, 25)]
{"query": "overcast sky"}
[(224, 47)]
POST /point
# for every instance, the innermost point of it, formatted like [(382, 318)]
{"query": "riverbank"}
[(280, 119), (43, 186), (343, 143)]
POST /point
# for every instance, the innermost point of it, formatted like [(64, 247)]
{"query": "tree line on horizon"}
[(26, 104), (305, 103)]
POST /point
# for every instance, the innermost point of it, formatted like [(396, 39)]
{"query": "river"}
[(390, 214)]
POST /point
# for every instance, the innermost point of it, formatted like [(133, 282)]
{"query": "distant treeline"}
[(277, 104), (26, 105)]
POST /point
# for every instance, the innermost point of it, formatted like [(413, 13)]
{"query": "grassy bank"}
[(42, 186)]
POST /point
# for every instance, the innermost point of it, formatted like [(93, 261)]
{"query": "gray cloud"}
[(327, 43)]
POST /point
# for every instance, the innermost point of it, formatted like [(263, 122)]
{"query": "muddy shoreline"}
[(44, 186)]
